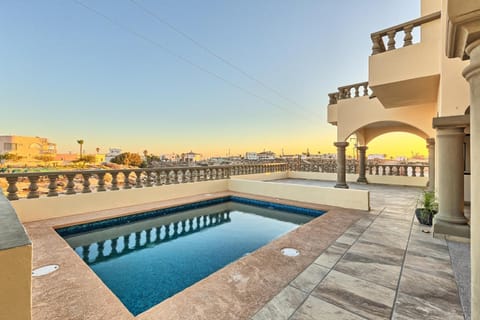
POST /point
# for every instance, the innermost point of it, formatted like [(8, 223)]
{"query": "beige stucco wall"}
[(373, 112), (454, 93), (389, 180), (263, 176), (346, 198), (16, 283), (45, 208), (430, 6)]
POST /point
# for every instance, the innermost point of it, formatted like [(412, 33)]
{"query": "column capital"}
[(430, 142), (362, 148), (473, 51), (461, 121), (463, 21), (341, 144)]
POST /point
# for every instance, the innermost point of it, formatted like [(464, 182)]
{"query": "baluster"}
[(12, 188), (126, 180), (171, 177), (384, 171), (138, 180), (376, 47), (148, 182), (70, 188), (398, 170), (86, 182), (101, 245), (391, 40), (405, 168), (52, 186), (33, 187), (390, 172), (114, 181), (365, 89), (188, 176), (357, 91), (101, 182), (407, 40), (114, 245), (158, 178), (86, 253), (422, 172), (332, 98)]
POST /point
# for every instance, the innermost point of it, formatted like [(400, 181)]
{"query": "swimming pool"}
[(148, 257)]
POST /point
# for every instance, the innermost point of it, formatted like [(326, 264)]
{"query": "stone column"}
[(472, 74), (450, 218), (362, 160), (341, 165), (431, 163)]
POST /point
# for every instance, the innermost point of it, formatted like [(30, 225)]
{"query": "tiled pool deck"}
[(353, 265), (383, 267)]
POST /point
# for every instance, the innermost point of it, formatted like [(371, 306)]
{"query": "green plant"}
[(428, 202), (427, 209)]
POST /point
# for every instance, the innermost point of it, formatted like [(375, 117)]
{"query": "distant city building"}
[(376, 156), (112, 153), (266, 155), (190, 157), (251, 156), (27, 147)]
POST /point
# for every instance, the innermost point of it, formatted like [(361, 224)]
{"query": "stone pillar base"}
[(447, 228), (341, 185), (362, 180)]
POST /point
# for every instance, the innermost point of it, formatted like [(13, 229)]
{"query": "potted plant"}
[(428, 209)]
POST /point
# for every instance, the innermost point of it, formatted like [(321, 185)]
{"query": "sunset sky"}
[(174, 76)]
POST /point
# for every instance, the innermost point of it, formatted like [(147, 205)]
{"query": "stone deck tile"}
[(355, 295), (317, 309), (385, 263), (310, 277), (331, 256), (283, 305)]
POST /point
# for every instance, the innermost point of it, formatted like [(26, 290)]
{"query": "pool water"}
[(147, 261)]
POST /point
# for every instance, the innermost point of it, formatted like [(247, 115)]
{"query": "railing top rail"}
[(364, 83), (97, 171), (415, 23)]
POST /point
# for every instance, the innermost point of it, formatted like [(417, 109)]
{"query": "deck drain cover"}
[(290, 252), (45, 270)]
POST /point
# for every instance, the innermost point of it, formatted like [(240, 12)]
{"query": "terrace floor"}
[(353, 265), (385, 266)]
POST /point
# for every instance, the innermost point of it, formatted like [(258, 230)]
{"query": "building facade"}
[(27, 147)]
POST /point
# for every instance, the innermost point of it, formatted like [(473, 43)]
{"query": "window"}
[(10, 146)]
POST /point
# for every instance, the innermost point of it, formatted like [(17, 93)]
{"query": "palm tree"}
[(97, 149), (80, 142)]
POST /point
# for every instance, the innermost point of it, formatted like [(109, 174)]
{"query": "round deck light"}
[(290, 252), (45, 270)]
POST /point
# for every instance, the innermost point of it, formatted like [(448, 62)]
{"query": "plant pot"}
[(423, 216)]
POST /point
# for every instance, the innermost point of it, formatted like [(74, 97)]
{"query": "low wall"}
[(263, 176), (15, 266), (53, 207), (391, 180), (346, 198)]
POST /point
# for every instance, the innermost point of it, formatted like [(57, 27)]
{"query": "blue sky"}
[(67, 73)]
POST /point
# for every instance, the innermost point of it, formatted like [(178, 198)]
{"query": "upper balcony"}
[(410, 74)]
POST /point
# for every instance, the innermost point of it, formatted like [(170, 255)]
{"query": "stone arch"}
[(372, 130)]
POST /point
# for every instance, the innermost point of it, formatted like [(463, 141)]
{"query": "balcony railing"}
[(351, 91), (330, 166), (55, 183), (378, 43)]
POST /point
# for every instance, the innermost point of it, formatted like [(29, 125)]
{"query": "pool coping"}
[(236, 291)]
